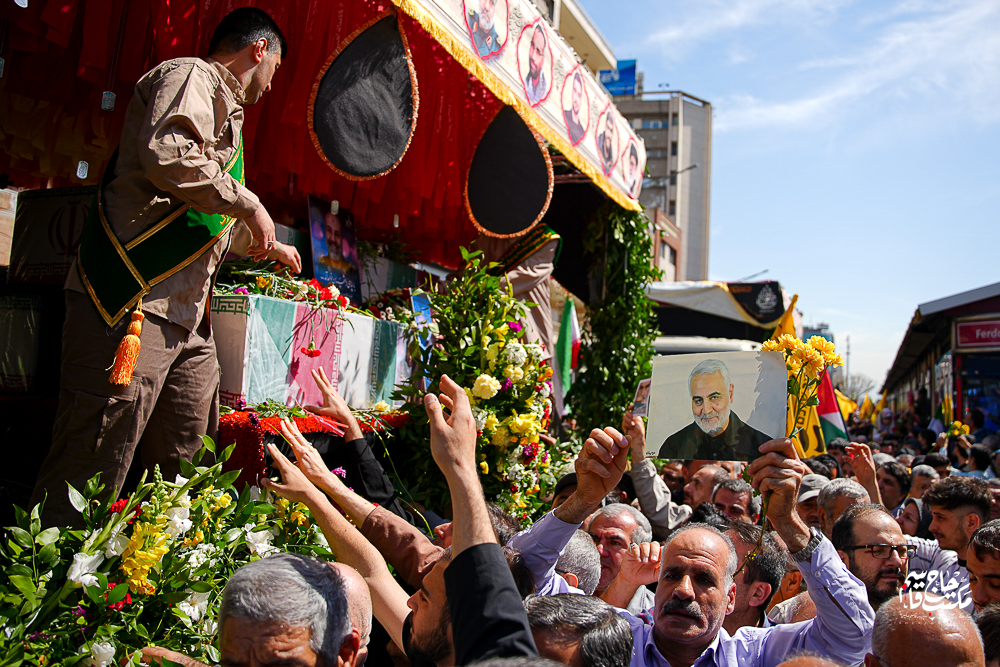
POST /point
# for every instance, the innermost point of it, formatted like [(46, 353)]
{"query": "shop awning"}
[(63, 56)]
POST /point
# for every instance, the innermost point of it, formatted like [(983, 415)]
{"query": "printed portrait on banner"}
[(718, 407), (487, 24), (632, 169), (334, 248), (575, 105), (607, 140), (534, 61)]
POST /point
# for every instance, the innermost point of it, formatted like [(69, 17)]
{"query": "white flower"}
[(254, 493), (201, 554), (194, 606), (102, 654), (259, 542), (209, 626), (319, 536), (534, 351), (115, 546), (81, 572), (514, 353), (545, 391), (480, 417), (178, 522)]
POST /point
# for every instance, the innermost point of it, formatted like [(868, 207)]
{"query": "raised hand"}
[(641, 563), (600, 464), (453, 436), (334, 406), (635, 431), (294, 485), (777, 474)]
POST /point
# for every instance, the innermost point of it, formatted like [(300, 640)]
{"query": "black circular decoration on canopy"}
[(510, 178), (364, 102)]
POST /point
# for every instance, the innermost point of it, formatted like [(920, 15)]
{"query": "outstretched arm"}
[(348, 545), (654, 497)]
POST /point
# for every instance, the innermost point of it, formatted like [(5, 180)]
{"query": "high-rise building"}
[(677, 129)]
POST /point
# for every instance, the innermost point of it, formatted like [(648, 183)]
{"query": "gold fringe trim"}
[(415, 95), (540, 140), (743, 313), (472, 63)]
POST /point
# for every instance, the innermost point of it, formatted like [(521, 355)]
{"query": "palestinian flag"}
[(830, 418)]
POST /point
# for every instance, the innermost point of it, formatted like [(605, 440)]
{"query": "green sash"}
[(118, 275), (527, 246)]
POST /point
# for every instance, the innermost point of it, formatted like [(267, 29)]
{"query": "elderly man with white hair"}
[(717, 433), (285, 609)]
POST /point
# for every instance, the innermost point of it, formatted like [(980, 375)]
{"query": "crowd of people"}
[(861, 558)]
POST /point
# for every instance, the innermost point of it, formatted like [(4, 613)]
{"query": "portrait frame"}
[(500, 22), (529, 31), (695, 415), (601, 122), (343, 271), (633, 192), (640, 404), (567, 93)]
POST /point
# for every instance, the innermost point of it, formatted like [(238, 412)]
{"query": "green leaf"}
[(232, 535), (14, 655), (187, 470), (209, 443), (201, 586), (92, 487), (47, 536), (172, 598), (227, 479), (23, 584), (226, 453), (76, 499), (263, 508), (49, 554), (141, 630), (117, 594), (196, 459), (21, 536)]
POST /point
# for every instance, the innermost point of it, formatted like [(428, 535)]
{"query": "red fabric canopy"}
[(61, 55)]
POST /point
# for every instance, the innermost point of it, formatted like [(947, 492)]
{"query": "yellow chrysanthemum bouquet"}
[(805, 362), (146, 569)]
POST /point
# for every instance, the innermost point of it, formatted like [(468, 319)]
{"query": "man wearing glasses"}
[(873, 547)]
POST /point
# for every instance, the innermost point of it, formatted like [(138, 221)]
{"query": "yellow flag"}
[(786, 325), (867, 408), (946, 409), (809, 442), (847, 406), (878, 408)]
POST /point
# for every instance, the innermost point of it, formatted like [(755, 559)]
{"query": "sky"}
[(856, 147)]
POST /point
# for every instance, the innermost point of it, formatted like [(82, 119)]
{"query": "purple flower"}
[(241, 290), (253, 418), (514, 327), (506, 385), (340, 472), (37, 636), (80, 611), (241, 404)]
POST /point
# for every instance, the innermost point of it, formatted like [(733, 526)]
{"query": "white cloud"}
[(949, 55)]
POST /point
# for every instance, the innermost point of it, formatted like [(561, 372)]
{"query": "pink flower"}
[(241, 290), (340, 472)]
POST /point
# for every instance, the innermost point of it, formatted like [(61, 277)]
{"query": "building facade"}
[(677, 129)]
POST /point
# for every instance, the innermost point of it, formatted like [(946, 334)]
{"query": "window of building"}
[(673, 256), (653, 124), (672, 211), (673, 179), (663, 250), (674, 120), (673, 148), (655, 153)]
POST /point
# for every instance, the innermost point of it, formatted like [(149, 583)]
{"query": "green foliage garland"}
[(617, 343)]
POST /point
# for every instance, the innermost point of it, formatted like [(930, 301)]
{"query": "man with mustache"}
[(697, 567), (872, 545), (717, 434), (574, 121)]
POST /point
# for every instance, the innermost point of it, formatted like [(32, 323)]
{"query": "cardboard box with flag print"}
[(264, 352)]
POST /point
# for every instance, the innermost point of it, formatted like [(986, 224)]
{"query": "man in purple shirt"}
[(696, 569)]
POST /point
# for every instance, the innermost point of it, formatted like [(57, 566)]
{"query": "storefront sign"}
[(977, 335)]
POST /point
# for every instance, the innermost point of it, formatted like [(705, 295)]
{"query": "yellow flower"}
[(771, 345), (521, 424), (502, 331), (790, 342), (515, 373), (146, 547), (263, 282), (485, 467), (833, 360), (965, 429), (381, 406), (491, 422), (299, 518), (820, 344), (486, 341), (486, 386), (492, 352)]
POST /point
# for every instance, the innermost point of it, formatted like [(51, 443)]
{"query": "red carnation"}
[(118, 506)]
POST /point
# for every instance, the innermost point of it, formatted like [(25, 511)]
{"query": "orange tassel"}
[(128, 351)]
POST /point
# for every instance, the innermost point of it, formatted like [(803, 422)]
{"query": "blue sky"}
[(856, 146)]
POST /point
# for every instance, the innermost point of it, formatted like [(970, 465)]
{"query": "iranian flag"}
[(830, 419), (567, 349)]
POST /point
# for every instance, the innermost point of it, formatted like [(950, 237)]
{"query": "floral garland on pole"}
[(617, 345), (478, 342)]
